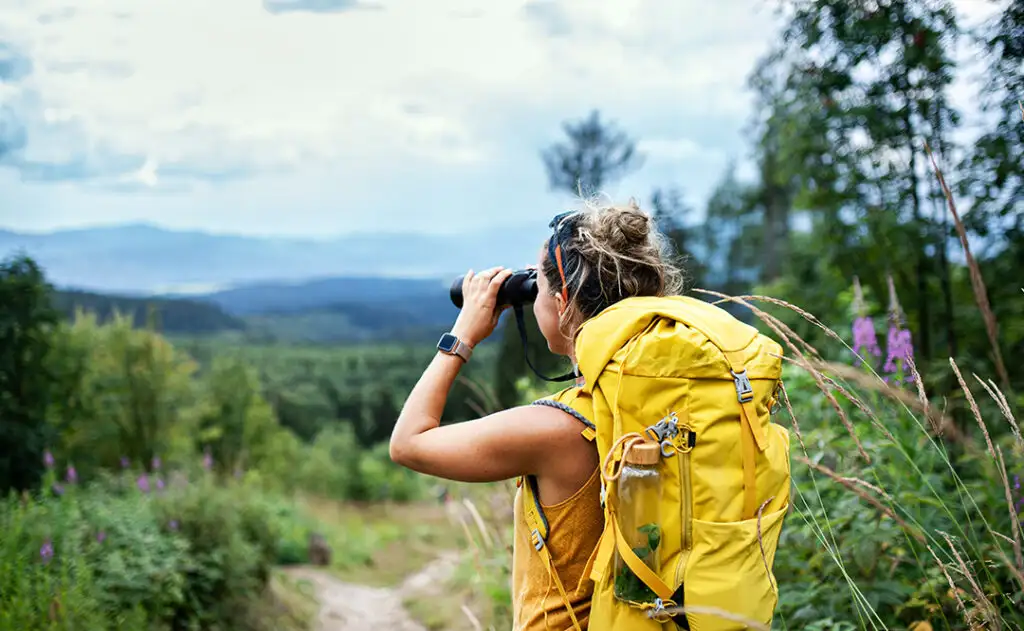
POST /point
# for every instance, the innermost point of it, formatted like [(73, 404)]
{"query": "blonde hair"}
[(609, 253)]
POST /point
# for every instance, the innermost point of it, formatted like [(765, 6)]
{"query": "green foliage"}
[(594, 154), (335, 465), (128, 393), (628, 586), (109, 556), (884, 542), (26, 385), (170, 316), (311, 388)]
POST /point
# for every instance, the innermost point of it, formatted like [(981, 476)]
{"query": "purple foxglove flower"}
[(72, 476), (865, 341), (207, 460), (173, 525), (101, 536), (900, 348), (143, 483), (156, 463), (46, 552), (159, 484), (125, 462), (48, 459), (57, 489)]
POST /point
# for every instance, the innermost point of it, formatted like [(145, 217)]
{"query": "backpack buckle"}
[(665, 428), (659, 611), (776, 400), (744, 391), (538, 541)]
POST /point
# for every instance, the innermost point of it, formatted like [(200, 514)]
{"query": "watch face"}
[(446, 343)]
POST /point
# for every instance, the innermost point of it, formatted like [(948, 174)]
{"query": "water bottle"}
[(639, 498)]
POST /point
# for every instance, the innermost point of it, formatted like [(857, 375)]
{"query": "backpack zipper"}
[(686, 512)]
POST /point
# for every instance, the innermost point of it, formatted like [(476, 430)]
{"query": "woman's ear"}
[(560, 304)]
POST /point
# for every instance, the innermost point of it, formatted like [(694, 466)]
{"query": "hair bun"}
[(622, 227)]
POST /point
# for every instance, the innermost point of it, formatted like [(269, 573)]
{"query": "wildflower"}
[(156, 463), (207, 459), (101, 536), (57, 489), (125, 462), (72, 476), (898, 342), (46, 552), (143, 483), (173, 525), (864, 337), (159, 484), (48, 459), (1019, 507)]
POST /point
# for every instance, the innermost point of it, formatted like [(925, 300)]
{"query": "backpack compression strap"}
[(534, 513), (750, 434)]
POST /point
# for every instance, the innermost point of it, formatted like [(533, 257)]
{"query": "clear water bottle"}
[(639, 495)]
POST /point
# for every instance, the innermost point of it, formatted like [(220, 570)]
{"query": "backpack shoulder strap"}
[(572, 403), (568, 401), (538, 535)]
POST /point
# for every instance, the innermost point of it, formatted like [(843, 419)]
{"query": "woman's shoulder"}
[(574, 402)]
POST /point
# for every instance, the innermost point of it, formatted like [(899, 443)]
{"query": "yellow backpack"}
[(686, 376)]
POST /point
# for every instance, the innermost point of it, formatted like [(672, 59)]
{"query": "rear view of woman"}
[(593, 259)]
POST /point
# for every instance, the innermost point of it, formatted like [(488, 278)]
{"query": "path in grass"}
[(349, 606)]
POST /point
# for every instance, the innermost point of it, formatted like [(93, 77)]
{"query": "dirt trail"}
[(352, 607)]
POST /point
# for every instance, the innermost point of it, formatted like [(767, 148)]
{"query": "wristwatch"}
[(451, 345)]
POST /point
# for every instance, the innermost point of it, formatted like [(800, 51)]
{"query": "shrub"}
[(121, 554)]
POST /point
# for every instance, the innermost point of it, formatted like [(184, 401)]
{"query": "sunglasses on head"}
[(561, 230)]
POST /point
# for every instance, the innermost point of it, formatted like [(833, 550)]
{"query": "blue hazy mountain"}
[(146, 259), (359, 287)]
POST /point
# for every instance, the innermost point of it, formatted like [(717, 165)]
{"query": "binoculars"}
[(518, 289)]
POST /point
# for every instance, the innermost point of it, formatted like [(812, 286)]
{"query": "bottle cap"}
[(646, 453)]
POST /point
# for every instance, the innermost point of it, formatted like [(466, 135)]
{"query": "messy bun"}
[(610, 253)]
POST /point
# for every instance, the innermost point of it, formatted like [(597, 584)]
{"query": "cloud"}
[(673, 149), (234, 88), (549, 16), (315, 6), (14, 66)]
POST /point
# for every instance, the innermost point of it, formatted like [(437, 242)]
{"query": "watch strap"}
[(463, 350), (457, 347)]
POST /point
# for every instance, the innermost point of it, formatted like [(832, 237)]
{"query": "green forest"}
[(165, 463)]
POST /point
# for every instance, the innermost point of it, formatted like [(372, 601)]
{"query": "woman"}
[(594, 258)]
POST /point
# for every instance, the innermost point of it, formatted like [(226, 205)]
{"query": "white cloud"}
[(228, 87), (413, 113)]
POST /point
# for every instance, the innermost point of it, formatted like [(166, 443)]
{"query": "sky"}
[(319, 118)]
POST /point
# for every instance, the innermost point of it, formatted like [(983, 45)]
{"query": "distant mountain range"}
[(357, 288), (146, 259)]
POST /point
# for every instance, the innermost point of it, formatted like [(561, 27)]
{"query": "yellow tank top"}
[(575, 525)]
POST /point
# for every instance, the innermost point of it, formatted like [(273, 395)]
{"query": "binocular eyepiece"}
[(518, 289)]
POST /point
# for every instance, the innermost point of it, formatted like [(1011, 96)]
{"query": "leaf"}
[(653, 533)]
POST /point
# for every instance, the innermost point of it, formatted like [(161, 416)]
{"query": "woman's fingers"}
[(499, 278), (482, 279)]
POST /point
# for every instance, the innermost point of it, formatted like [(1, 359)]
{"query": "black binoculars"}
[(518, 289)]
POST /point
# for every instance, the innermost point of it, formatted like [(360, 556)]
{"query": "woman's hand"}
[(479, 313)]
